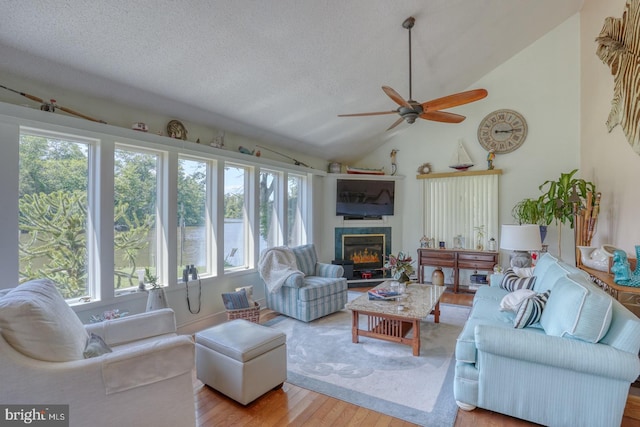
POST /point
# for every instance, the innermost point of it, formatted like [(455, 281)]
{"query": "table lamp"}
[(521, 239)]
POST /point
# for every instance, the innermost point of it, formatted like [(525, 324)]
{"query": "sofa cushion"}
[(306, 258), (577, 309), (512, 282), (530, 311), (543, 264), (512, 300), (316, 287), (38, 322), (491, 293), (549, 278)]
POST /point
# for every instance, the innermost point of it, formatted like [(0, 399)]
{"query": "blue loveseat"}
[(572, 367)]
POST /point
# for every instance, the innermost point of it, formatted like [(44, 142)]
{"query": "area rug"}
[(378, 375)]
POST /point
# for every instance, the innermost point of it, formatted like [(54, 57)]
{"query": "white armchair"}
[(145, 380)]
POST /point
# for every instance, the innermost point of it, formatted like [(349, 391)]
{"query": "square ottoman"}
[(241, 359)]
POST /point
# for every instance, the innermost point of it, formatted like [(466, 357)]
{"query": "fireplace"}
[(366, 247), (365, 250)]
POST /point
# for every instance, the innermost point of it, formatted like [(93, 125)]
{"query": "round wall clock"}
[(502, 131)]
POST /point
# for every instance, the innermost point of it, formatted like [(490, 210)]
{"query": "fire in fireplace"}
[(365, 250)]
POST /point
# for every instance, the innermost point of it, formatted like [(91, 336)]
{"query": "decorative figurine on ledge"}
[(245, 150), (620, 269), (218, 141), (394, 165), (490, 158)]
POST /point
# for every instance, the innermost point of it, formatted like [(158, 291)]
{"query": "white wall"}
[(541, 82), (607, 158)]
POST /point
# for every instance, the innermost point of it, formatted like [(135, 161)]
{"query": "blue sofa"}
[(573, 367), (317, 291)]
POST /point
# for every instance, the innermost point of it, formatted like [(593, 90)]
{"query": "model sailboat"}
[(460, 160)]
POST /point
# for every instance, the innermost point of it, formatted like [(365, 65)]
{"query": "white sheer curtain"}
[(460, 205)]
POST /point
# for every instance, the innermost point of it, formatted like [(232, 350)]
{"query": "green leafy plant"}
[(562, 199), (151, 279), (529, 211)]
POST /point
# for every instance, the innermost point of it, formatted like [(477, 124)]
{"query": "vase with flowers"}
[(401, 266)]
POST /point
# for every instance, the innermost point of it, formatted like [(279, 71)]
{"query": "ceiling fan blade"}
[(396, 97), (442, 116), (378, 113), (454, 100), (396, 123)]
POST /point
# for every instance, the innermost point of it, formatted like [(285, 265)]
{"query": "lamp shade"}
[(524, 237)]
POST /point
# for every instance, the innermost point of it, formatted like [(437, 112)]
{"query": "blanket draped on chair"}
[(276, 265)]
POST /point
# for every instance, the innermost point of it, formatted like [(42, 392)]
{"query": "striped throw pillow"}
[(235, 300), (530, 310), (512, 282)]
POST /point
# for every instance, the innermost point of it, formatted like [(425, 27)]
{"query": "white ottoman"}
[(241, 359)]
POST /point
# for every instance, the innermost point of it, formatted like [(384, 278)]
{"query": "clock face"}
[(502, 131)]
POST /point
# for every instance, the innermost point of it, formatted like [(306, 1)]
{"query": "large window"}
[(193, 223), (135, 231), (270, 230), (53, 211), (236, 228), (296, 215), (96, 211)]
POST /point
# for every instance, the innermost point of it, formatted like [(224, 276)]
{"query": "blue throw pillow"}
[(235, 300), (530, 311)]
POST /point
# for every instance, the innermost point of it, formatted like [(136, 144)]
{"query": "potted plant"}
[(562, 199), (401, 266), (531, 211), (157, 298)]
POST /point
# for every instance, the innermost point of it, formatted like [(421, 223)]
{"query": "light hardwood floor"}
[(295, 406)]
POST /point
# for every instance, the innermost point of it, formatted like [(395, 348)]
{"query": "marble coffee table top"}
[(416, 303)]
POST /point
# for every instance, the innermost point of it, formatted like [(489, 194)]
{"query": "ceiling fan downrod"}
[(408, 24)]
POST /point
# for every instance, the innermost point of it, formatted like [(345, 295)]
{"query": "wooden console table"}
[(457, 259), (628, 296)]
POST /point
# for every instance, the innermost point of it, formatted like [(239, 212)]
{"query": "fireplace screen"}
[(365, 250)]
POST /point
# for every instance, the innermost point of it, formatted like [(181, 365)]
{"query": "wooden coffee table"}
[(385, 321)]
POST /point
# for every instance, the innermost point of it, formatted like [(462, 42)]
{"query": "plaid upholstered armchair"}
[(306, 289)]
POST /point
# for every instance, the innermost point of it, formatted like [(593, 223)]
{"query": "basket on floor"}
[(251, 314)]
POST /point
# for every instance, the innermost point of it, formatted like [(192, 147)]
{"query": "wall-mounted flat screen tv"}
[(364, 199)]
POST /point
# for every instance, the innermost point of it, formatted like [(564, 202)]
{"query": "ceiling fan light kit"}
[(409, 110)]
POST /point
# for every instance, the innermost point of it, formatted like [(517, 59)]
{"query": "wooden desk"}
[(457, 259)]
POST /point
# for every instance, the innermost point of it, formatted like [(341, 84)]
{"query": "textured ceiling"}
[(278, 70)]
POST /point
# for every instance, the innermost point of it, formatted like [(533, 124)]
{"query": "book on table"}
[(383, 294)]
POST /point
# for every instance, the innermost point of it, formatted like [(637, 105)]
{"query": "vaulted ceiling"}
[(276, 70)]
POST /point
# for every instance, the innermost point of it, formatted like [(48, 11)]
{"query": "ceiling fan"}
[(410, 110)]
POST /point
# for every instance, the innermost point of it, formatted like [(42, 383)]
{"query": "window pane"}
[(135, 186), (192, 220), (53, 212), (296, 234), (235, 219), (269, 224)]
